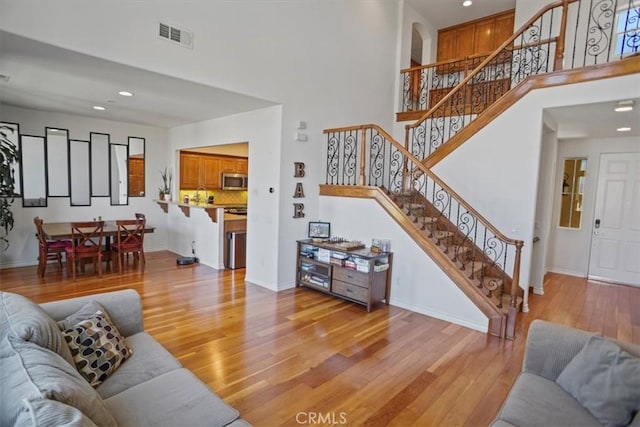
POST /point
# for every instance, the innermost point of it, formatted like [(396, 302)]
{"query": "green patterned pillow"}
[(97, 347)]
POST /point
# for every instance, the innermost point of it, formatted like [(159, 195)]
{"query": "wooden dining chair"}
[(48, 250), (129, 240), (86, 243)]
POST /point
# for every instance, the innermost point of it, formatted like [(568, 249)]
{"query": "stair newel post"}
[(515, 285), (557, 65), (363, 155)]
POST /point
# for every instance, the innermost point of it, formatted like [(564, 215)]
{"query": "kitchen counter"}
[(215, 210), (203, 227)]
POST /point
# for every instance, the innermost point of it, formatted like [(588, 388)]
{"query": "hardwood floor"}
[(299, 357)]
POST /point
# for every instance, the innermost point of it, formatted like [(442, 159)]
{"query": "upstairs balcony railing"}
[(566, 34), (367, 155)]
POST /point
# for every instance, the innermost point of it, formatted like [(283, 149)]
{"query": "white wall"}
[(262, 129), (23, 248), (418, 283), (327, 63), (544, 206), (570, 248), (503, 190)]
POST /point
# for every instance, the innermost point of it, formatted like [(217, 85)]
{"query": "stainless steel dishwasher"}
[(235, 249)]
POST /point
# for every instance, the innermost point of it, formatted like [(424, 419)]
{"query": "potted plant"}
[(165, 190), (9, 155)]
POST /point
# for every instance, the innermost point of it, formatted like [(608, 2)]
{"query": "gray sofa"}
[(38, 386), (563, 371)]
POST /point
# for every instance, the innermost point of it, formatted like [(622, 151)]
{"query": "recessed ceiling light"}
[(467, 3), (99, 107), (624, 106), (125, 93), (624, 129)]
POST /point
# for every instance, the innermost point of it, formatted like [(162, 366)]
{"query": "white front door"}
[(615, 245)]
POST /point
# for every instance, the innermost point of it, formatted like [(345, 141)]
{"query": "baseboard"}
[(261, 284), (442, 316), (568, 272)]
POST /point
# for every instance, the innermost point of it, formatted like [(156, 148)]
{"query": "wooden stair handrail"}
[(498, 51), (428, 172)]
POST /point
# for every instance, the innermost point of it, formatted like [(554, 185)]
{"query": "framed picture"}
[(319, 230)]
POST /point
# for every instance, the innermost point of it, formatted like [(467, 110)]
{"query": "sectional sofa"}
[(40, 386)]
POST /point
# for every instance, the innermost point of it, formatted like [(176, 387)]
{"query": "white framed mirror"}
[(79, 172), (57, 162), (34, 184), (99, 164), (118, 178), (136, 167)]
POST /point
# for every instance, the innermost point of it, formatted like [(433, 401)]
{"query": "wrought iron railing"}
[(367, 155), (566, 34)]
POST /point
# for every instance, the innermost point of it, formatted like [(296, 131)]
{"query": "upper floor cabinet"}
[(481, 36)]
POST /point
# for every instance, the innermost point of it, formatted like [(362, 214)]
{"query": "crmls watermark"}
[(321, 418)]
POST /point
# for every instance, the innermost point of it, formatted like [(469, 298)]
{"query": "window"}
[(572, 192), (627, 31)]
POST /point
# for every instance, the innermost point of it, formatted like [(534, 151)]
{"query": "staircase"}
[(365, 161)]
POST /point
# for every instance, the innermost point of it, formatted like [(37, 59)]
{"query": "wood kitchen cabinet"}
[(205, 170), (189, 170)]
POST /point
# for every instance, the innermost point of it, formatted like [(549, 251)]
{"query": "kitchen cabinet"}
[(205, 170), (210, 171), (189, 170), (481, 36)]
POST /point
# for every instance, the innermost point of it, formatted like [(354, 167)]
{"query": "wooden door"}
[(483, 37), (136, 176), (447, 45), (615, 243), (503, 29), (210, 172), (189, 171)]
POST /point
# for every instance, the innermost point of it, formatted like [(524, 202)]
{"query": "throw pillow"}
[(25, 319), (31, 372), (97, 348), (45, 413), (85, 312), (604, 379)]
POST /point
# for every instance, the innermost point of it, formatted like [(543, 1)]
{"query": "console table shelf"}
[(359, 275)]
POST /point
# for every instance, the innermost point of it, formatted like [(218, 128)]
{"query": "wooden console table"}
[(359, 275)]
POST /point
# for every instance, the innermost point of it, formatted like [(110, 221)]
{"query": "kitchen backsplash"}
[(221, 197)]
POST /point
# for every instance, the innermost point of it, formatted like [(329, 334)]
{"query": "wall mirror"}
[(57, 162), (136, 167), (99, 164), (118, 178), (34, 183), (11, 131), (79, 173), (574, 172)]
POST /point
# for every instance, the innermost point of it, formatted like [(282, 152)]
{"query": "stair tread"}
[(442, 234)]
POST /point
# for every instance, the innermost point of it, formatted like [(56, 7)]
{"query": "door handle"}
[(597, 224)]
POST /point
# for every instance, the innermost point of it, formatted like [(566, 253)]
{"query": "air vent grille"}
[(176, 35)]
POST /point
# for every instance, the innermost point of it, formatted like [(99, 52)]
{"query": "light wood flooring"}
[(299, 357)]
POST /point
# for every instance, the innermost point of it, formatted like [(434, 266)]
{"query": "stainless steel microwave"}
[(234, 181)]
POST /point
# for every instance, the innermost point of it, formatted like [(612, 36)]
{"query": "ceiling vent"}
[(176, 35)]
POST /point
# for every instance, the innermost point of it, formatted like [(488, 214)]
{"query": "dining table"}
[(62, 230)]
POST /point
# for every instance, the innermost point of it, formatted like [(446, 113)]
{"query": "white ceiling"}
[(445, 13), (45, 77), (49, 78)]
